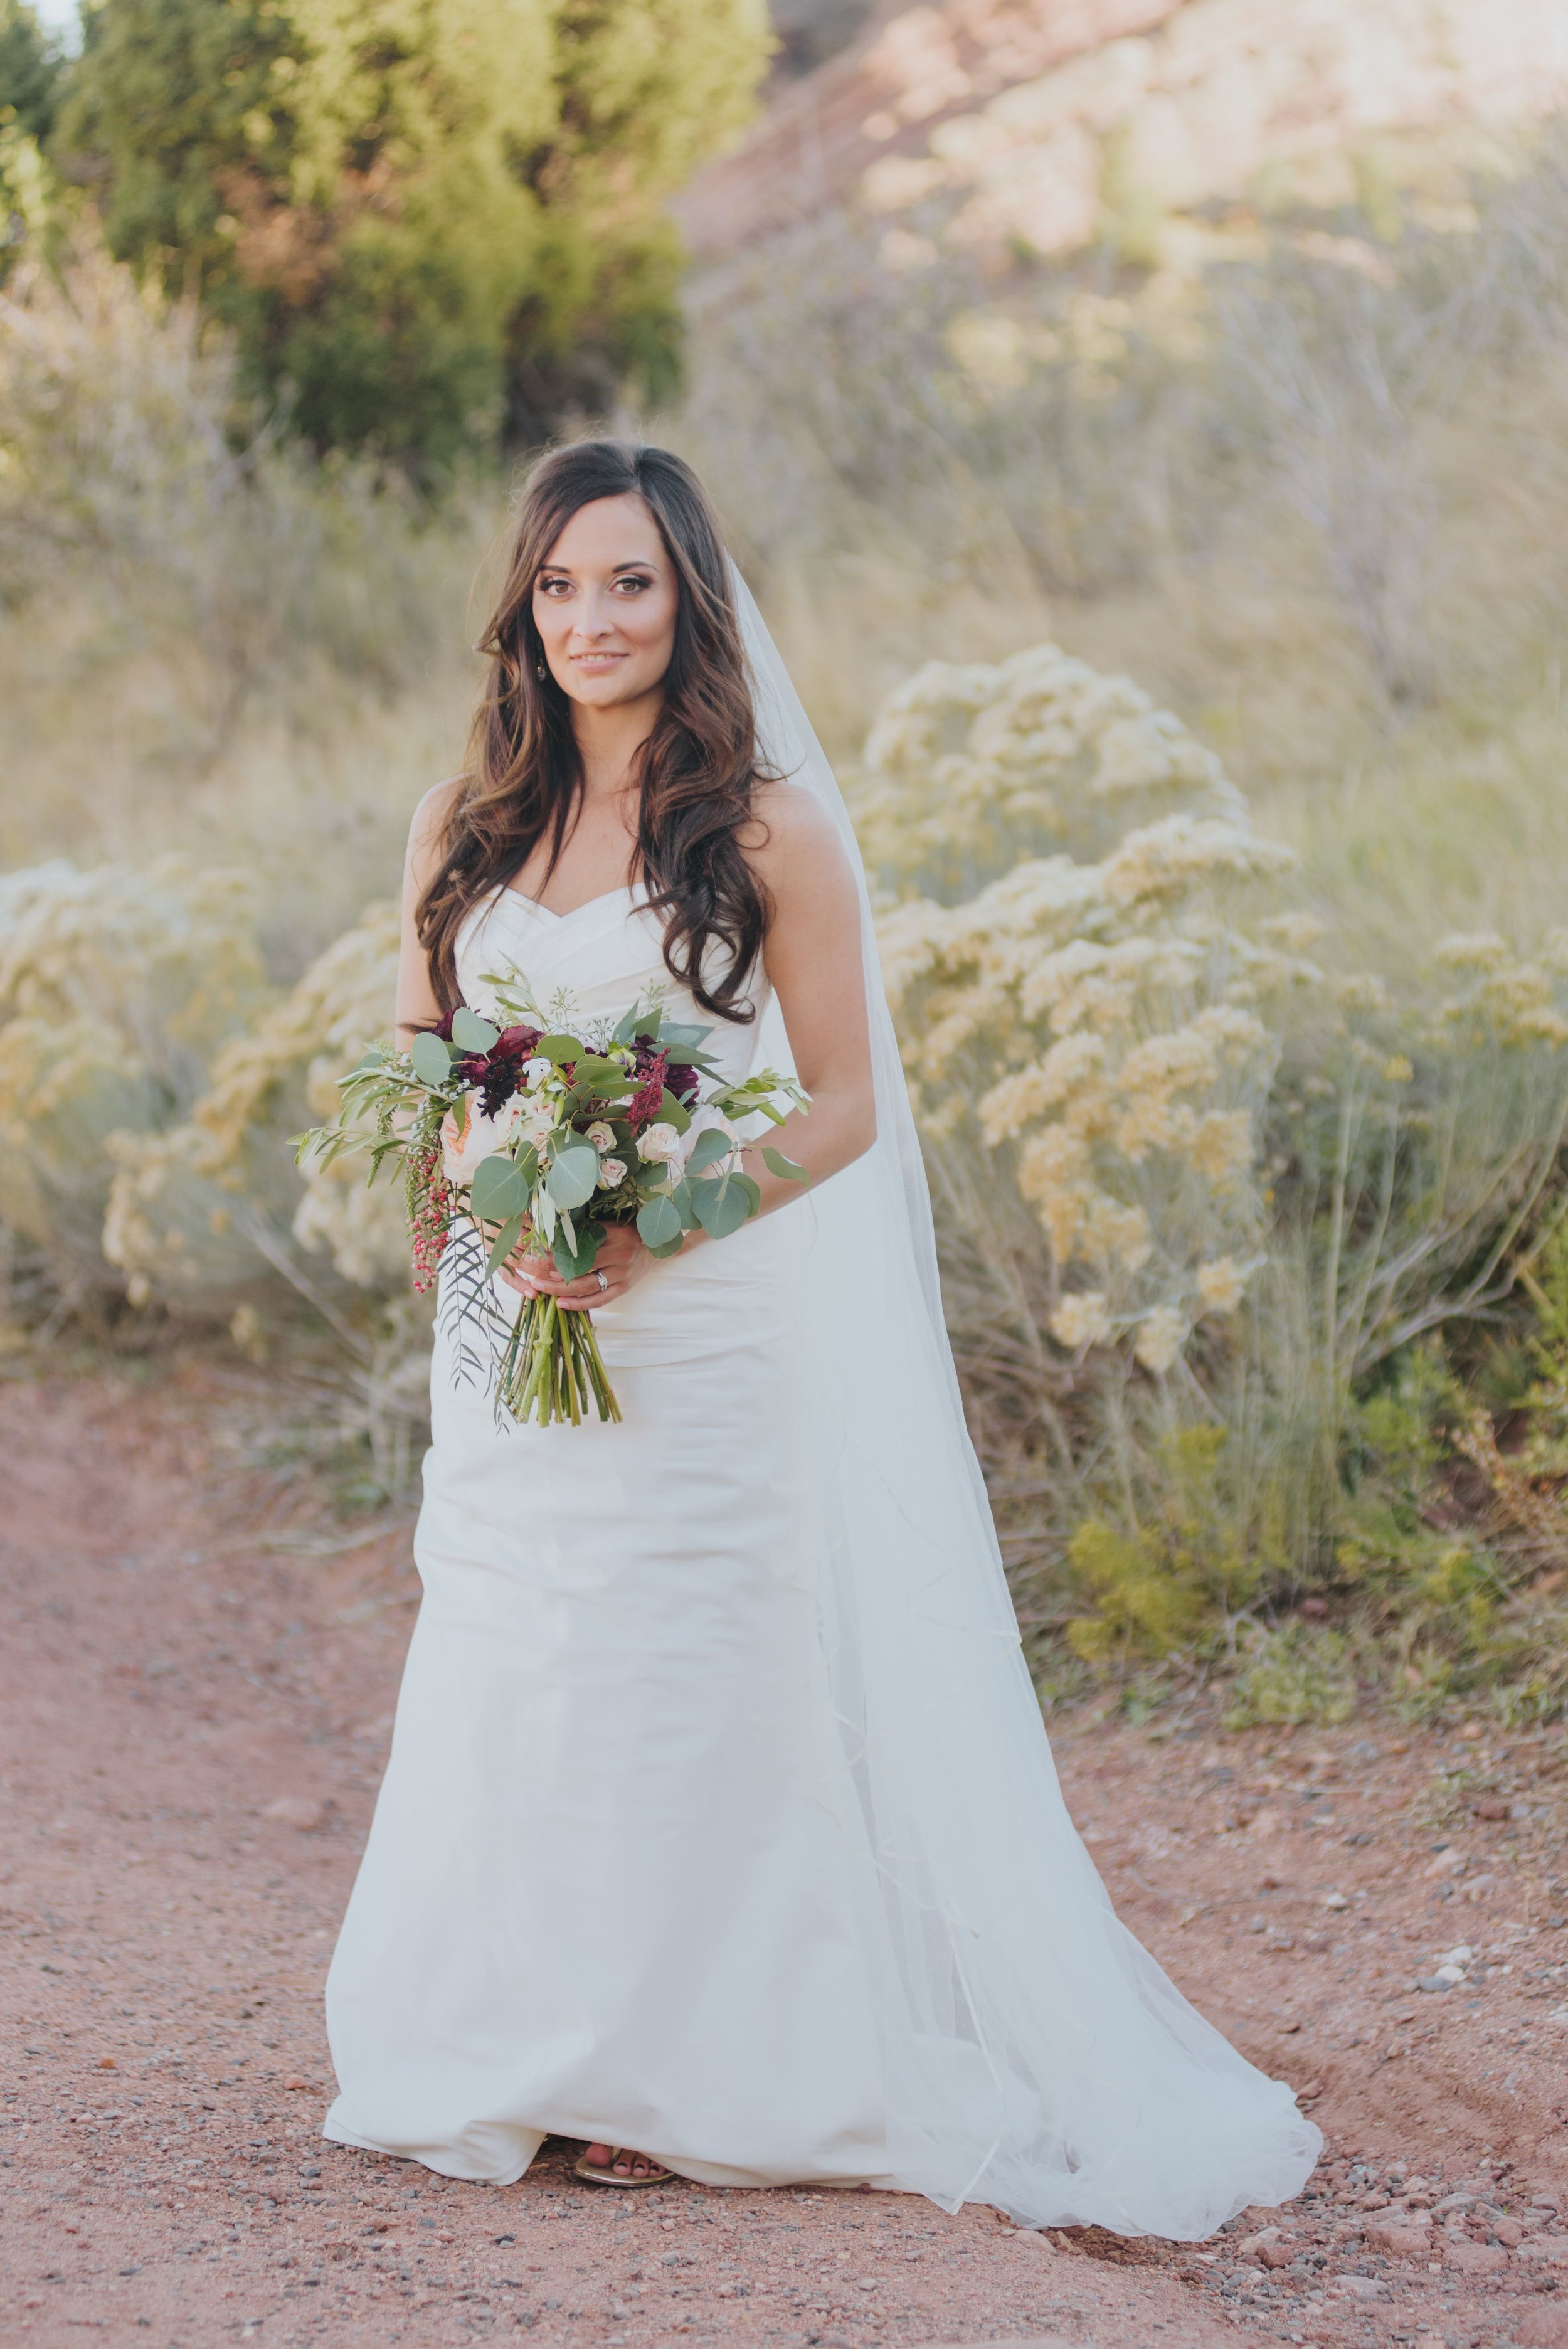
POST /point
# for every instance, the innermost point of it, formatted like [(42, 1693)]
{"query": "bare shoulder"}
[(430, 822), (793, 840)]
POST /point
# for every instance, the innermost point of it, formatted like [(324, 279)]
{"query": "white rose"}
[(534, 1072), (535, 1116), (468, 1135), (601, 1135), (659, 1143), (611, 1172)]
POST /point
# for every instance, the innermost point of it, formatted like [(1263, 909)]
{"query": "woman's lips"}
[(597, 660)]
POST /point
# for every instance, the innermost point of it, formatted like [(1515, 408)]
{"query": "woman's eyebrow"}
[(633, 562)]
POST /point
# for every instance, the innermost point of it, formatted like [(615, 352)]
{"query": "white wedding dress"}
[(606, 1893), (622, 1882), (719, 1820)]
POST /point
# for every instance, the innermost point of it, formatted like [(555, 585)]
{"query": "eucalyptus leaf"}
[(659, 1224), (501, 1247), (673, 1113), (432, 1060), (709, 1146), (499, 1190), (678, 1038), (721, 1207), (571, 1263), (574, 1176), (474, 1034), (559, 1049), (601, 1078), (776, 1164), (743, 1184), (681, 1194), (633, 1024)]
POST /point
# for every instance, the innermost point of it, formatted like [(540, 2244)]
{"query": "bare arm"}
[(417, 1005), (816, 966)]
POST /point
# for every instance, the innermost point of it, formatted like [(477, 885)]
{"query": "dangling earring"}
[(539, 670)]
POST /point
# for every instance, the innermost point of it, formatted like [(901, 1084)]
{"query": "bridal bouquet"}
[(547, 1132)]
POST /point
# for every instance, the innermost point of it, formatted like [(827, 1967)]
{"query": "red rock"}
[(301, 1811), (1539, 2328), (1399, 2242), (1475, 2258)]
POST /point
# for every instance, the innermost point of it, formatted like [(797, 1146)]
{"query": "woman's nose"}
[(595, 615)]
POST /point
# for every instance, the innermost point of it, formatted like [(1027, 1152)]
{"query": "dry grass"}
[(1316, 504), (207, 641)]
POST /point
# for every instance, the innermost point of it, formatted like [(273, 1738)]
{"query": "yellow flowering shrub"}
[(1505, 997), (1162, 1584), (1094, 1021), (116, 987), (1417, 1133), (969, 767), (216, 1201)]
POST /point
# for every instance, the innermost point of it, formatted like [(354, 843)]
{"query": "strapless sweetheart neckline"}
[(604, 897)]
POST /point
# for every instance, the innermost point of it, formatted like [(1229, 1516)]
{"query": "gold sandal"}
[(596, 2176)]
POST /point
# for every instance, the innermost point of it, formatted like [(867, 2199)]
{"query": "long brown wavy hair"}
[(699, 766)]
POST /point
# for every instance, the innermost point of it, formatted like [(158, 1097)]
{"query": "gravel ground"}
[(199, 1670)]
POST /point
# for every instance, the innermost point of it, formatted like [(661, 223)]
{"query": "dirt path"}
[(198, 1691)]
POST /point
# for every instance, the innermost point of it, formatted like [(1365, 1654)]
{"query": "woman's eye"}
[(553, 586), (635, 586)]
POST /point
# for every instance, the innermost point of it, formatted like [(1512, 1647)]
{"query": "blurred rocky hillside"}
[(1032, 124)]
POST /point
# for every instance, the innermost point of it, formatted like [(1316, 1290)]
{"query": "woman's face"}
[(604, 605)]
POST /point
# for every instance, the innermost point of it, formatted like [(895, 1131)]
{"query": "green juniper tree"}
[(30, 70), (424, 220)]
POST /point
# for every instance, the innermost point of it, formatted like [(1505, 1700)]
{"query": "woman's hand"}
[(622, 1259)]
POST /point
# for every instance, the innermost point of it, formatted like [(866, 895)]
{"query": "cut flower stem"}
[(552, 1367)]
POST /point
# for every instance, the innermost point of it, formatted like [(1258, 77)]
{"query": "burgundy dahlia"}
[(499, 1071)]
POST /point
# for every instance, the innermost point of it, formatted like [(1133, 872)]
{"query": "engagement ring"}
[(603, 1284)]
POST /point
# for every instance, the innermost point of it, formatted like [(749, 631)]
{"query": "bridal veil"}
[(1034, 2057)]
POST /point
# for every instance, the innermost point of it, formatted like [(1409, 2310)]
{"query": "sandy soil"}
[(199, 1677)]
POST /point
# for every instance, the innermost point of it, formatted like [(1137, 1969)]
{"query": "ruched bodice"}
[(605, 956)]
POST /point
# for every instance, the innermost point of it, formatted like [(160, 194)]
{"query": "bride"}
[(720, 1831)]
